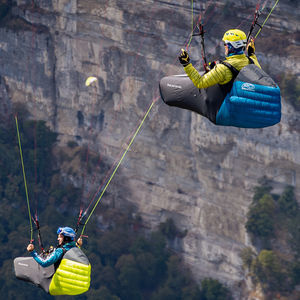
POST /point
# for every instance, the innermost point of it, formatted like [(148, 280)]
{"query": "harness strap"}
[(233, 70), (56, 265), (250, 60)]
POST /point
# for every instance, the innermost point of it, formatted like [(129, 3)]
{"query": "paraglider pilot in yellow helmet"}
[(234, 44), (234, 92)]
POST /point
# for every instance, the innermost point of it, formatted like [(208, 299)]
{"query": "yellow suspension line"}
[(131, 141), (266, 19), (24, 177), (192, 4), (117, 166)]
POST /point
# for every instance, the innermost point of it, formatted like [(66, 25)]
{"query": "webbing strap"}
[(233, 70), (250, 60)]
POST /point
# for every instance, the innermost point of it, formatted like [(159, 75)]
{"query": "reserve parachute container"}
[(251, 100), (72, 277)]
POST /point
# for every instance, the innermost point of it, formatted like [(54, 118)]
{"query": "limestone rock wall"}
[(180, 165)]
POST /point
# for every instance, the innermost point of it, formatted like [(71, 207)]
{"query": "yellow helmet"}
[(237, 38)]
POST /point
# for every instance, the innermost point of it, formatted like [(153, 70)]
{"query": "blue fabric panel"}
[(245, 89), (245, 104), (250, 106)]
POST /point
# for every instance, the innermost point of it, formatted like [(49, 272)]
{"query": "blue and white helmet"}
[(67, 231)]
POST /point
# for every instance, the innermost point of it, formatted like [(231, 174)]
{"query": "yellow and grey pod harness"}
[(73, 275)]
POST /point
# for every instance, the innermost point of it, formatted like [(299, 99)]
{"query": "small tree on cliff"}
[(212, 289), (269, 270), (287, 202), (260, 221)]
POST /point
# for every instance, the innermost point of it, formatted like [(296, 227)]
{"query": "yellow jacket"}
[(220, 74)]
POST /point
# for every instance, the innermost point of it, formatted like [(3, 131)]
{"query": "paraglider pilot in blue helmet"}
[(66, 241)]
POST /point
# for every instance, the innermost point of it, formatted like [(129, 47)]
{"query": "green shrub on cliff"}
[(287, 202), (277, 223), (269, 269), (211, 289), (260, 218)]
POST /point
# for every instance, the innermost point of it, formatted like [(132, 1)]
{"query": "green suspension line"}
[(24, 177)]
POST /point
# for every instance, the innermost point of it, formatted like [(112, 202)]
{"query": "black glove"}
[(184, 58), (251, 47), (212, 64)]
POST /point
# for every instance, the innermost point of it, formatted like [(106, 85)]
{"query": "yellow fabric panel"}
[(69, 266), (70, 278), (220, 74)]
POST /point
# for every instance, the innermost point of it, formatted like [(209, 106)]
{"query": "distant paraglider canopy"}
[(90, 80)]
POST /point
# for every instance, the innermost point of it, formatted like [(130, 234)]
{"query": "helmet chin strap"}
[(233, 51)]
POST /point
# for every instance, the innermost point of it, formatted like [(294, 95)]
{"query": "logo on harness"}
[(21, 264), (174, 86), (248, 87)]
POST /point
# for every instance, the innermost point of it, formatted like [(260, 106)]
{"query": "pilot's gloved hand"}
[(212, 64), (184, 58), (30, 247), (79, 242), (51, 249), (251, 47)]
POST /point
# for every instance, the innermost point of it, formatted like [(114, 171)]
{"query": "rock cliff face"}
[(180, 165)]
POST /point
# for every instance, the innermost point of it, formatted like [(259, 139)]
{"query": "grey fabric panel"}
[(75, 254), (27, 269), (254, 74), (214, 98), (179, 91)]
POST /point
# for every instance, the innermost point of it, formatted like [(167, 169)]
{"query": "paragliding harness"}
[(73, 274), (250, 100), (68, 276), (253, 100)]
